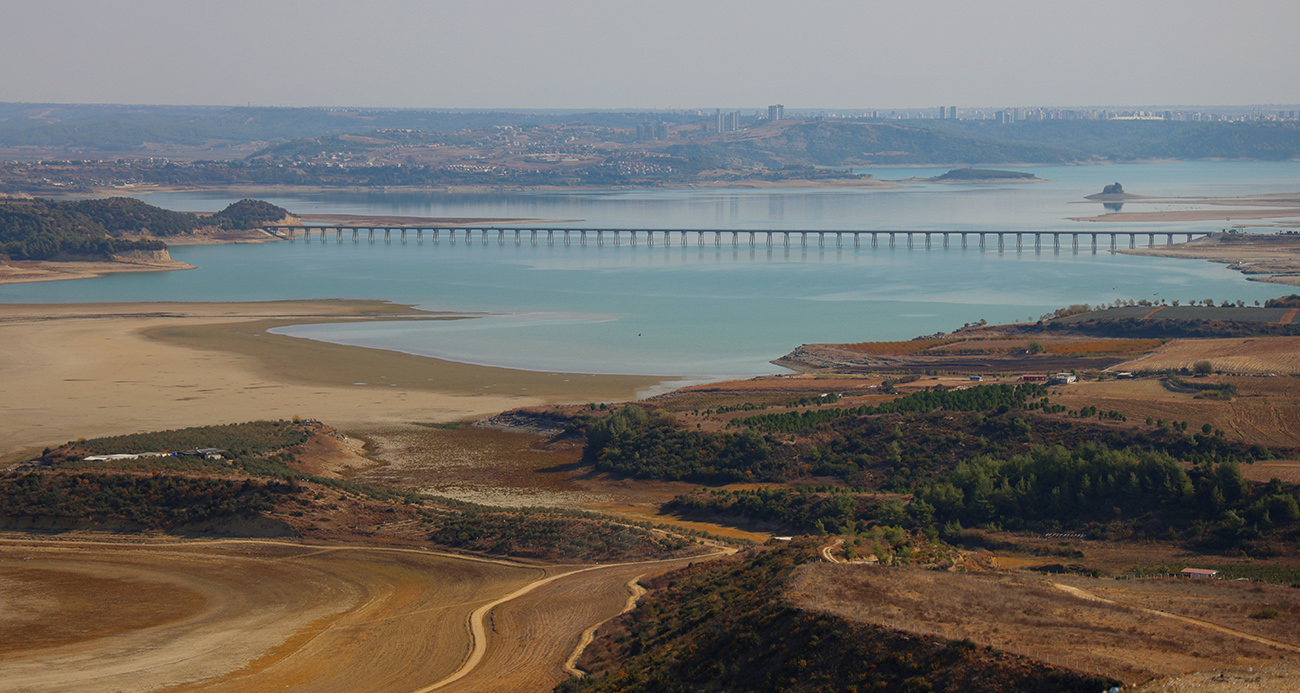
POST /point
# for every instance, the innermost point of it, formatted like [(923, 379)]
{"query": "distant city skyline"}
[(578, 54)]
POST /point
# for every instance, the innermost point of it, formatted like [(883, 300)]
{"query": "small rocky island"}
[(1112, 193), (982, 175)]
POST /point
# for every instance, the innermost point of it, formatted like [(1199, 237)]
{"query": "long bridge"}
[(718, 237)]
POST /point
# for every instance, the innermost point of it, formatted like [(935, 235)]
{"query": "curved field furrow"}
[(266, 616), (262, 615)]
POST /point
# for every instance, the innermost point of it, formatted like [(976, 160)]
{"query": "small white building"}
[(1199, 573)]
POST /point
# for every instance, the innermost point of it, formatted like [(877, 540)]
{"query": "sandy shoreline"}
[(26, 271), (74, 370), (1252, 207), (1273, 259)]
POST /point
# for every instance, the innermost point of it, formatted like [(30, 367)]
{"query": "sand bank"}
[(1229, 209), (1270, 258), (103, 369), (19, 272)]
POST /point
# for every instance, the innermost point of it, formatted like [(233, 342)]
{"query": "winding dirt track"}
[(245, 615), (525, 640), (254, 615), (635, 592), (1084, 594)]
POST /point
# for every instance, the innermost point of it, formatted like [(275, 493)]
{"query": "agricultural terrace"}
[(995, 345)]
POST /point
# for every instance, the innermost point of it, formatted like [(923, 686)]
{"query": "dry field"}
[(248, 615), (1263, 472), (516, 469), (1244, 356), (238, 616), (1264, 410), (1133, 630)]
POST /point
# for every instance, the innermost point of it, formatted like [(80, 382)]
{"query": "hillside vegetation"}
[(258, 484), (1000, 457), (42, 229), (727, 625)]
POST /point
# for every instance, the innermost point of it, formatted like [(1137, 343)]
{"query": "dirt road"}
[(1185, 619), (261, 615)]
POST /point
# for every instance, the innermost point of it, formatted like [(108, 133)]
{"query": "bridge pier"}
[(1019, 243), (982, 241), (945, 239), (1001, 242)]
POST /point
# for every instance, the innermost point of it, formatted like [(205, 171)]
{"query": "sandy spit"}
[(77, 370)]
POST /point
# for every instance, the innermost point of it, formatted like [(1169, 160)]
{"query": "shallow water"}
[(705, 311)]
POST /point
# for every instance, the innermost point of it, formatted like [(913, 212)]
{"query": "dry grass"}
[(1029, 614), (1264, 410), (1246, 356)]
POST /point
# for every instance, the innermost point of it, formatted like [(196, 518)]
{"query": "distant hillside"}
[(44, 230), (1128, 140), (249, 214), (125, 215), (109, 128), (40, 229), (126, 128), (978, 175), (843, 143)]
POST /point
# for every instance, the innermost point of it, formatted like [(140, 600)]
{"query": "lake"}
[(702, 311)]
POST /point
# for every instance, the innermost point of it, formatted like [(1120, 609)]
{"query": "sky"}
[(654, 54)]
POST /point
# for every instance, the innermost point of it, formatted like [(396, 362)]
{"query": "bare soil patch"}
[(259, 616)]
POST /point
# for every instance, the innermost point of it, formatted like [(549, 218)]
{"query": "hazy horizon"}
[(673, 55)]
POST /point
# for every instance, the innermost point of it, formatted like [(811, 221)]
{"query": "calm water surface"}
[(700, 311)]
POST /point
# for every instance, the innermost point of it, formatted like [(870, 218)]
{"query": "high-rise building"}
[(952, 113), (717, 114), (776, 112), (735, 121)]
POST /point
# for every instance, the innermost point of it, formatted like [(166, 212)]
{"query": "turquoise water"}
[(698, 311)]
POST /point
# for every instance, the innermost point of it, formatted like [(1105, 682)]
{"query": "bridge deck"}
[(617, 235)]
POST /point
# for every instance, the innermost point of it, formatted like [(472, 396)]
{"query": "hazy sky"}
[(849, 54)]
